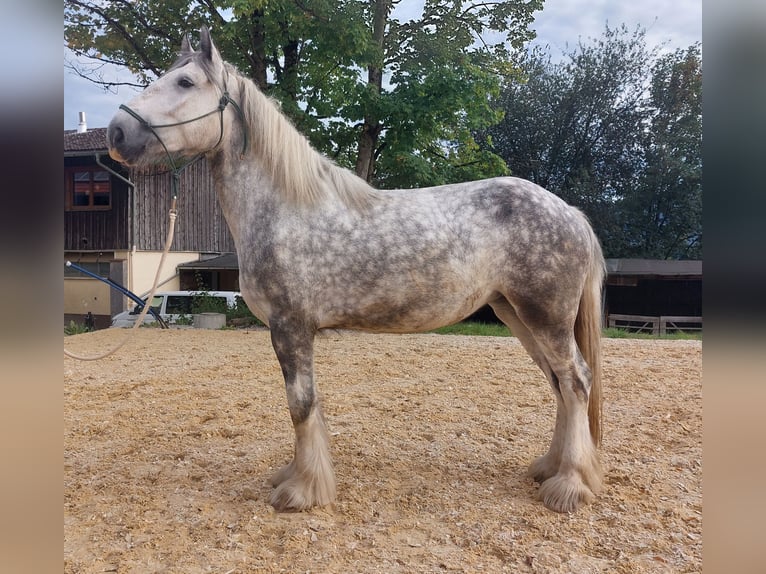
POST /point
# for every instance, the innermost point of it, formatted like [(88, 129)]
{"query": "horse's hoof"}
[(287, 498), (295, 491), (293, 496), (565, 493)]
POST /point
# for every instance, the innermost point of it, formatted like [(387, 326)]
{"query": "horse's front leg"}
[(309, 480)]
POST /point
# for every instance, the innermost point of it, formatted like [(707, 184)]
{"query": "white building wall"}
[(142, 268)]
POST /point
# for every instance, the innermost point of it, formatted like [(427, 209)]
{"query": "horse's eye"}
[(185, 83)]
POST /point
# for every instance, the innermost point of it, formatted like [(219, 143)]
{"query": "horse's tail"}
[(587, 332)]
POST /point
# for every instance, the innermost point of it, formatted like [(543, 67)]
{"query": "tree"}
[(612, 129), (442, 72), (268, 40), (574, 127), (365, 88), (663, 214)]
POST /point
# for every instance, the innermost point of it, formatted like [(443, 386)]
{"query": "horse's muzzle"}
[(127, 139), (115, 155)]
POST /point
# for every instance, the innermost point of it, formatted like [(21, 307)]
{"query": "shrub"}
[(75, 328), (241, 316)]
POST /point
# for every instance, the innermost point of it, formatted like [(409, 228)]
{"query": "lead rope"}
[(172, 214)]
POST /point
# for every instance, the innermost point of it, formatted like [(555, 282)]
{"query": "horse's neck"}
[(242, 183), (280, 169)]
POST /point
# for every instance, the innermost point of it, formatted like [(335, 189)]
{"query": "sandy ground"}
[(169, 445)]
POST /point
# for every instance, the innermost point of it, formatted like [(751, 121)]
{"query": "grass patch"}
[(241, 316), (475, 329), (498, 330)]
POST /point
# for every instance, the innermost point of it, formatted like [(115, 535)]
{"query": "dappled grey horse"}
[(320, 249)]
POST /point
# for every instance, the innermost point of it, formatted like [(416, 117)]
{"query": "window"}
[(88, 188), (178, 305)]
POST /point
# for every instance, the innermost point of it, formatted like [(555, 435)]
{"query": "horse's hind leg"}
[(309, 480), (547, 465), (578, 477), (569, 473)]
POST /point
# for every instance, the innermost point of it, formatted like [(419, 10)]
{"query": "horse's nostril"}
[(116, 135)]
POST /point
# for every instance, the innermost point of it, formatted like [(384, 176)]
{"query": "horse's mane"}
[(302, 175)]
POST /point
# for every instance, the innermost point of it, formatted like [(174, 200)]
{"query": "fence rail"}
[(655, 325)]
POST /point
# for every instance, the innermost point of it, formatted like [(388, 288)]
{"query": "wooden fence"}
[(655, 325)]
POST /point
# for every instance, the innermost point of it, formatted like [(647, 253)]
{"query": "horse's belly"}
[(257, 303), (422, 312)]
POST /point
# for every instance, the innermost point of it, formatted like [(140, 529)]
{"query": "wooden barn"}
[(116, 221), (655, 296)]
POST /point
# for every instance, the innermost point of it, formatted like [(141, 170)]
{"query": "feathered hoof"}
[(565, 493), (289, 497), (294, 492)]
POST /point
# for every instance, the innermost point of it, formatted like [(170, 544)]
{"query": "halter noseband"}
[(176, 170)]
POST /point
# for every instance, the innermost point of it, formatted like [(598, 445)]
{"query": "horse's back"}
[(502, 203), (519, 222), (536, 250)]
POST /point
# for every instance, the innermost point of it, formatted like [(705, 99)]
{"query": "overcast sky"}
[(561, 23)]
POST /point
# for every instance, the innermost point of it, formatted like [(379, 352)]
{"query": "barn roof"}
[(93, 140), (654, 267), (225, 261)]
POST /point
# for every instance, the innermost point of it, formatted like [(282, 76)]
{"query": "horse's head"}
[(181, 114)]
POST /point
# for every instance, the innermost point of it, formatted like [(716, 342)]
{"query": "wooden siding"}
[(200, 225), (106, 229)]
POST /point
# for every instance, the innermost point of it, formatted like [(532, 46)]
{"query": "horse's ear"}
[(186, 45), (207, 46)]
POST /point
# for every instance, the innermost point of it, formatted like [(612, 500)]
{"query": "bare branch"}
[(95, 76)]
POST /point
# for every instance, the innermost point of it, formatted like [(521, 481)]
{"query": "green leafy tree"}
[(615, 130), (379, 95), (442, 72), (574, 127), (663, 214)]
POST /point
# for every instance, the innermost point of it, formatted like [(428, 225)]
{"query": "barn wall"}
[(83, 294), (656, 297), (212, 279), (200, 225)]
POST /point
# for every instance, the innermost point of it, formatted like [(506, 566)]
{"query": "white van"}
[(172, 305)]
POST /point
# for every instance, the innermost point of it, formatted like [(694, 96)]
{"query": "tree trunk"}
[(288, 76), (258, 46), (365, 158), (368, 140)]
